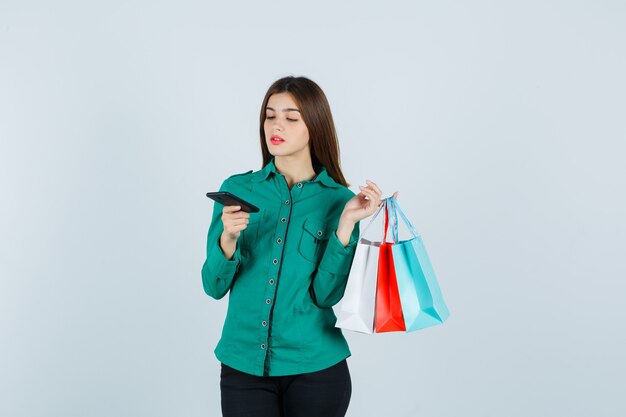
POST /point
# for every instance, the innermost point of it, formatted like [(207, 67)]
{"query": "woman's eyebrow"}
[(284, 110)]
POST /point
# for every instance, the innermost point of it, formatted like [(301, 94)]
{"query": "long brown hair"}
[(318, 119)]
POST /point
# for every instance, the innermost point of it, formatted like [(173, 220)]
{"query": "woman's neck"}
[(294, 170)]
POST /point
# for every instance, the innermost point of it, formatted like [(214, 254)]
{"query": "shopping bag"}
[(420, 294), (356, 309), (388, 316)]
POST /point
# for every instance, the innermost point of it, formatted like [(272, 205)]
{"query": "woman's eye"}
[(272, 117)]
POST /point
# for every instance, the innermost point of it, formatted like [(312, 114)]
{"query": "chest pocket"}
[(250, 234), (315, 234)]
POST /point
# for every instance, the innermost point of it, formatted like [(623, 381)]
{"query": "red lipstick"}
[(276, 140)]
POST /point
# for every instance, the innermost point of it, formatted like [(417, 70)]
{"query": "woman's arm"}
[(344, 230), (329, 282), (233, 222), (221, 264), (331, 277)]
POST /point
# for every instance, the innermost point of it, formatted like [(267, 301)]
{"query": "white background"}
[(501, 124)]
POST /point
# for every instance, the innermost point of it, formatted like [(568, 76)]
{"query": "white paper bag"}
[(356, 308)]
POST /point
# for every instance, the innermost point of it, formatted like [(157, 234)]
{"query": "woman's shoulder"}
[(239, 177), (235, 180), (335, 188), (345, 192), (337, 195), (246, 180)]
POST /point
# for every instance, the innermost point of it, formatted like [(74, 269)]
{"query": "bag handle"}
[(391, 205), (390, 213), (372, 219), (396, 209), (386, 222)]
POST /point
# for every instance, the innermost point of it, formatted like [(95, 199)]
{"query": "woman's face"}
[(284, 121)]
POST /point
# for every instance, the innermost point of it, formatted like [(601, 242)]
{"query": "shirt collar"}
[(262, 175), (322, 174)]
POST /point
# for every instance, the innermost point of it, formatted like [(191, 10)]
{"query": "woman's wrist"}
[(344, 230), (228, 246)]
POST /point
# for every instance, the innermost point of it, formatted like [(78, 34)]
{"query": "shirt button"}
[(268, 301), (264, 323), (287, 202), (299, 185), (279, 240), (263, 346), (271, 282), (320, 233), (275, 261), (283, 220)]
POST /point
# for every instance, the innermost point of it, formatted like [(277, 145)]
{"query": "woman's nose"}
[(277, 125)]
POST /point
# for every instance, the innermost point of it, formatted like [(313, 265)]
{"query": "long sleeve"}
[(218, 272), (331, 277)]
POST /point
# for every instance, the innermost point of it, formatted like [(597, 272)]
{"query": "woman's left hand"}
[(359, 207)]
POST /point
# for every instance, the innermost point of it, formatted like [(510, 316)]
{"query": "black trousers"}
[(323, 393)]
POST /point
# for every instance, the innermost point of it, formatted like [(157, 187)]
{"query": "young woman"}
[(287, 265)]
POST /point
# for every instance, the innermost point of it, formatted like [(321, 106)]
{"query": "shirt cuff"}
[(337, 258), (225, 268)]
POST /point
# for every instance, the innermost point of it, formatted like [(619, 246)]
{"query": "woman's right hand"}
[(234, 220)]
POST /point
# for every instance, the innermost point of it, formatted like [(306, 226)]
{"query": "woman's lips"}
[(276, 140)]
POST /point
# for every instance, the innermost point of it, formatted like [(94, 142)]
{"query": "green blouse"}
[(288, 270)]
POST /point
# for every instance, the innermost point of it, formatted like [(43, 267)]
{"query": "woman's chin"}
[(274, 151)]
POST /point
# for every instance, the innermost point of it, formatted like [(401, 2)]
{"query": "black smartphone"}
[(227, 199)]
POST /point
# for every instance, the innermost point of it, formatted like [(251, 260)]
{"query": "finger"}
[(230, 209), (369, 193), (374, 195), (239, 221), (376, 201), (237, 228), (236, 214), (243, 223), (374, 186), (376, 192), (236, 225), (368, 189)]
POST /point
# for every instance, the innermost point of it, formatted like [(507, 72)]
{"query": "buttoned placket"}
[(277, 253)]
